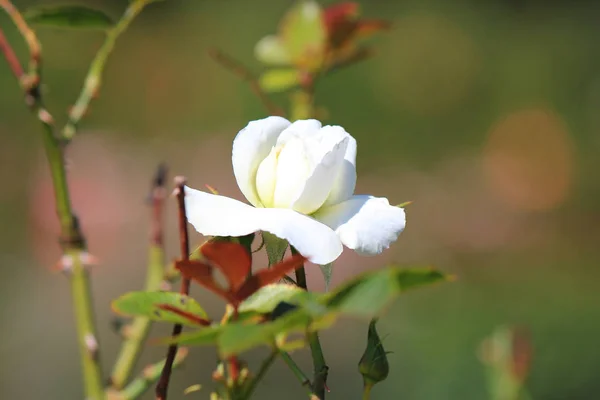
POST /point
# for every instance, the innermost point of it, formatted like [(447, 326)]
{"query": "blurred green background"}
[(484, 113)]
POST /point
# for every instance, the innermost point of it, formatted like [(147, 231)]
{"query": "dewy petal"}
[(322, 179), (250, 147), (215, 215), (366, 224)]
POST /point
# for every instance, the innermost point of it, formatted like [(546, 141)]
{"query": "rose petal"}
[(366, 224), (216, 215), (344, 184), (250, 147)]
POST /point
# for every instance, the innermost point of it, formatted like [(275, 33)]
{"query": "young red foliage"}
[(232, 259), (267, 276), (201, 274)]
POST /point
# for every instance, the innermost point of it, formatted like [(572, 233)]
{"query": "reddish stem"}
[(11, 57), (163, 383)]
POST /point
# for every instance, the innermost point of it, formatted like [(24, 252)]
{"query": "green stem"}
[(367, 391), (94, 76), (320, 368), (72, 240), (141, 384), (138, 331), (298, 373), (264, 367)]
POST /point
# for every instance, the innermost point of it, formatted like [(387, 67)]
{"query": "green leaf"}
[(327, 270), (268, 297), (303, 34), (68, 16), (365, 296), (279, 80), (145, 304), (271, 51), (275, 246)]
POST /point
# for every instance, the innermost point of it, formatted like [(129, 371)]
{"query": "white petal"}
[(366, 224), (215, 215), (250, 147), (345, 182), (322, 179), (302, 128), (293, 169), (266, 176)]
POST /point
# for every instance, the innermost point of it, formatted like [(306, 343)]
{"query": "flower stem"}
[(137, 331), (163, 383), (320, 368), (93, 79), (367, 391), (72, 239)]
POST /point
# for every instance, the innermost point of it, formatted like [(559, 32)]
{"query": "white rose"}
[(300, 178)]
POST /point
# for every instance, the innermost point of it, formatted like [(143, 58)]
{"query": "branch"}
[(93, 79), (150, 375), (298, 373), (245, 74), (137, 331), (71, 238), (163, 383)]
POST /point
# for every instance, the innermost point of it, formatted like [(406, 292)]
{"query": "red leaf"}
[(367, 27), (201, 274), (231, 258), (267, 276), (187, 315)]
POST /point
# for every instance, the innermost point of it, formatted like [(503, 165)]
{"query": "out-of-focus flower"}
[(312, 39), (300, 178)]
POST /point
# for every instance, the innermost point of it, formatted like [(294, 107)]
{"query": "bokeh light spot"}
[(528, 160)]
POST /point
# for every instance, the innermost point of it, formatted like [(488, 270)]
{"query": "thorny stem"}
[(320, 368), (163, 382), (137, 332), (245, 74), (11, 57), (72, 240), (93, 79)]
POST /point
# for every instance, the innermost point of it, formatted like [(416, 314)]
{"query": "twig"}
[(245, 74), (320, 368), (138, 331), (163, 383), (11, 57), (264, 367), (151, 373), (298, 373), (72, 239), (93, 79)]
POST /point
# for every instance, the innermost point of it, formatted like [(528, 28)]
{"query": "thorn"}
[(212, 189), (91, 344), (64, 264), (180, 180), (165, 286), (45, 116), (175, 192), (88, 259)]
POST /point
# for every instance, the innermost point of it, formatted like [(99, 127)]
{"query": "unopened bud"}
[(373, 365)]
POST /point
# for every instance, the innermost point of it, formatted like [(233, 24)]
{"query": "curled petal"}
[(215, 215), (250, 147), (366, 224)]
